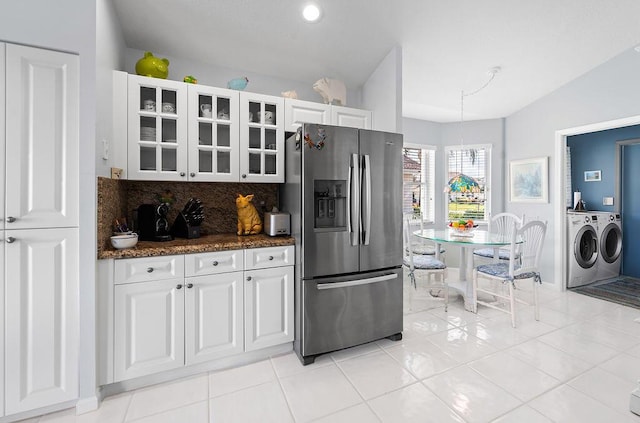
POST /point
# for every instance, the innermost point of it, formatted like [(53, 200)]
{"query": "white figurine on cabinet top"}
[(332, 91), (290, 94)]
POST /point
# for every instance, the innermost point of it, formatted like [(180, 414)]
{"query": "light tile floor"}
[(579, 363)]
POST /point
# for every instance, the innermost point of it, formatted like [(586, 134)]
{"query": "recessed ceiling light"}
[(311, 13)]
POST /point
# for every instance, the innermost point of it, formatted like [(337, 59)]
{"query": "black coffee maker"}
[(152, 222)]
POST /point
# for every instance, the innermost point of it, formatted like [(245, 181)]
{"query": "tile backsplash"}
[(118, 198)]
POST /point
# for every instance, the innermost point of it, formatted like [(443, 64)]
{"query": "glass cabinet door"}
[(213, 134), (261, 138), (157, 129)]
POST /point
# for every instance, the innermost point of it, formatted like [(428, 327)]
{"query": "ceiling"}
[(447, 46)]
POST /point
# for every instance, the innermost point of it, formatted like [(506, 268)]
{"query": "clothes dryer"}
[(582, 249), (609, 244)]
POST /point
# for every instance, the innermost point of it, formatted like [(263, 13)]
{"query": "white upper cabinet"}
[(261, 138), (42, 122), (157, 129), (347, 116), (213, 134), (298, 112)]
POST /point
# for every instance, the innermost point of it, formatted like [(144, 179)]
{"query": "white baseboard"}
[(86, 405), (634, 402)]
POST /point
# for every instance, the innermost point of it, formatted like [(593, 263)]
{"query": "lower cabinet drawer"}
[(262, 258), (212, 263), (148, 269)]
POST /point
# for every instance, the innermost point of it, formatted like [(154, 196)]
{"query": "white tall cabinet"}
[(39, 97)]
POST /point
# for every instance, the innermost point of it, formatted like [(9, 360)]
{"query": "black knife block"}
[(182, 229)]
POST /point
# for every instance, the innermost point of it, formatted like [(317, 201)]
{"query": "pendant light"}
[(464, 183)]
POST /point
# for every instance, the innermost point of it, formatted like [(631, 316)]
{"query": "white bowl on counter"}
[(121, 242)]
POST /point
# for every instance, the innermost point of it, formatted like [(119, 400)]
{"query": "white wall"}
[(217, 76), (69, 25), (110, 44), (382, 93), (610, 91)]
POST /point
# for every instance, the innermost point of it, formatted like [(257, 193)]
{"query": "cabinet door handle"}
[(270, 257), (192, 174), (248, 278), (10, 240), (182, 173), (244, 175), (179, 286), (189, 285), (11, 219), (149, 269), (215, 263)]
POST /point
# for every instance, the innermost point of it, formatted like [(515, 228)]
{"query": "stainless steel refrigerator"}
[(343, 189)]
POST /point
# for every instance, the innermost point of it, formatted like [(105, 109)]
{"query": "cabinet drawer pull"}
[(270, 257), (189, 285), (215, 263), (179, 286), (10, 240), (11, 219), (248, 278), (149, 269)]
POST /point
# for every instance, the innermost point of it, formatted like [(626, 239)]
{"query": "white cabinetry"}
[(175, 311), (213, 134), (299, 111), (261, 138), (40, 251), (174, 131), (157, 132)]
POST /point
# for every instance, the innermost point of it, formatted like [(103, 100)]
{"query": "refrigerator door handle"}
[(336, 285), (366, 201), (354, 199)]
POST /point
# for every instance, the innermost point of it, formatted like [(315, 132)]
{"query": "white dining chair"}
[(425, 265), (527, 241), (500, 224), (421, 246)]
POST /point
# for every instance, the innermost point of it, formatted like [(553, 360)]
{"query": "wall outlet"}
[(607, 201), (116, 173)]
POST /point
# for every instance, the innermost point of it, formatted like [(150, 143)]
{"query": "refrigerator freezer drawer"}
[(341, 313)]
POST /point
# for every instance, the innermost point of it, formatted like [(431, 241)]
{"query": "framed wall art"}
[(529, 180), (592, 176)]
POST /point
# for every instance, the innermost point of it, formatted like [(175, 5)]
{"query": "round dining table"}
[(477, 238)]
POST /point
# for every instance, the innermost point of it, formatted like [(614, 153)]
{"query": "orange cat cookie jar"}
[(249, 222)]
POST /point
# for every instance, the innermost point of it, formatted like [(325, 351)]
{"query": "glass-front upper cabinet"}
[(157, 129), (261, 138), (213, 134)]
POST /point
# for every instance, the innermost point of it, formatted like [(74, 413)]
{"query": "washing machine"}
[(582, 248), (609, 244)]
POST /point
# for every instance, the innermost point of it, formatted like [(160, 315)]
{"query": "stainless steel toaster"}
[(277, 223)]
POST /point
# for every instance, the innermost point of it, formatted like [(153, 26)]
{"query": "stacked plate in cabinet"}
[(147, 133)]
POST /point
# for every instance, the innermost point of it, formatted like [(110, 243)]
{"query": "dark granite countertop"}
[(207, 243)]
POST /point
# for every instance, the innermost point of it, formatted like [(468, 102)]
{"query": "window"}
[(418, 181), (473, 161)]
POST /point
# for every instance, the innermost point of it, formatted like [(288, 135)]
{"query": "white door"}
[(261, 138), (42, 95), (214, 317), (148, 328), (157, 129), (297, 112), (268, 307), (213, 134), (42, 312), (353, 118)]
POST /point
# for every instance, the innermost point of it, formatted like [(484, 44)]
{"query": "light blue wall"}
[(608, 92), (597, 151)]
